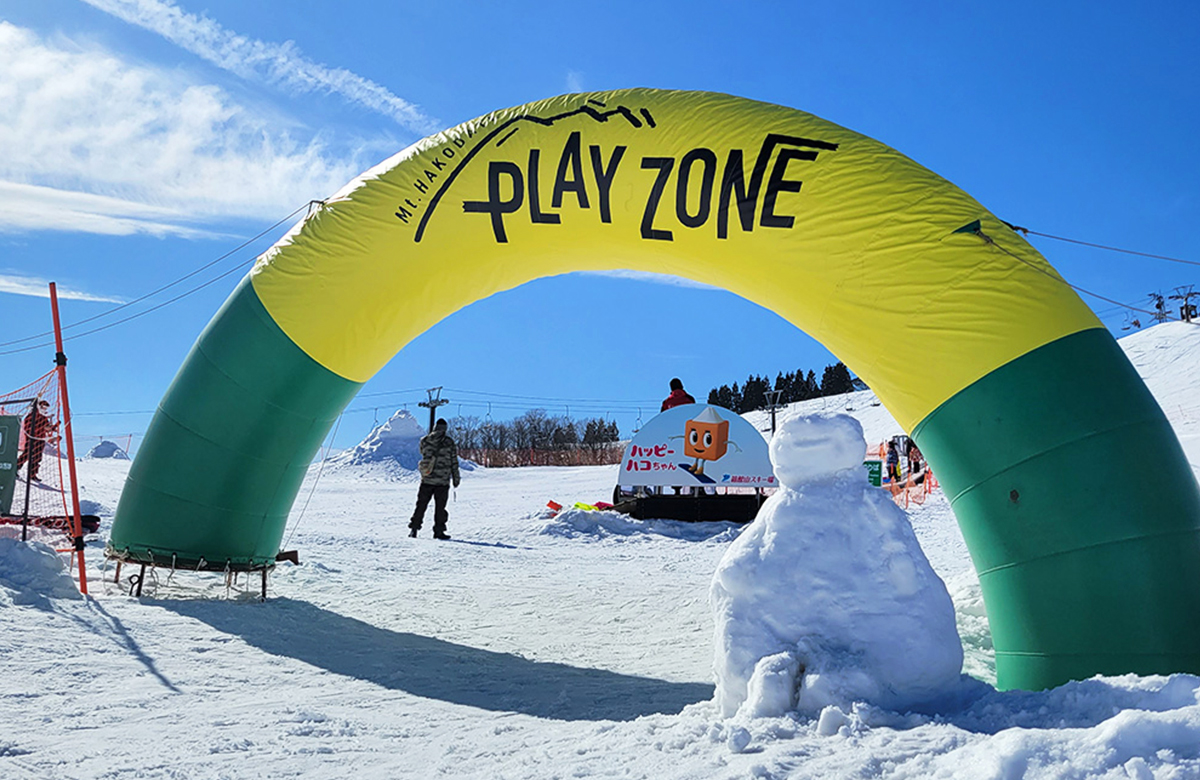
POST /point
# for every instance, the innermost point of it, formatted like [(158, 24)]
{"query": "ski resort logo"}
[(700, 188), (439, 166)]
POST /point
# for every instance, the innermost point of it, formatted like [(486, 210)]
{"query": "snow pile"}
[(107, 449), (827, 599), (397, 439), (34, 571), (583, 523), (395, 442)]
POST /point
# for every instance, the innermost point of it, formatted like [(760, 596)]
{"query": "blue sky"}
[(143, 139)]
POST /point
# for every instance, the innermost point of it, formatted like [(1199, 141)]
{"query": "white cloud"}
[(574, 81), (30, 207), (92, 143), (653, 278), (280, 64), (40, 288)]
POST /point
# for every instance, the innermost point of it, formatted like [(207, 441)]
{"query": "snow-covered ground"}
[(527, 647)]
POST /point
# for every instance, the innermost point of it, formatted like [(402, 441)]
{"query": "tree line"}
[(795, 386), (537, 438)]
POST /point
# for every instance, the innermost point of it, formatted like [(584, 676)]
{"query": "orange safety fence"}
[(582, 455), (913, 487), (39, 507), (39, 489)]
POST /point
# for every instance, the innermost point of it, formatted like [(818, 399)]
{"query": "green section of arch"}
[(229, 445), (1080, 511)]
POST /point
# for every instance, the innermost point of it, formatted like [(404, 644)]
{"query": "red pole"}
[(60, 360)]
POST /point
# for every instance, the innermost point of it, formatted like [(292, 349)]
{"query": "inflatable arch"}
[(1080, 511)]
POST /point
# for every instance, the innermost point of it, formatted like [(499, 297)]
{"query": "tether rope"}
[(1028, 232), (992, 242), (316, 480), (151, 294)]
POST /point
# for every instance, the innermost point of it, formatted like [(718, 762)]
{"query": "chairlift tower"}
[(1187, 310), (435, 400), (773, 405)]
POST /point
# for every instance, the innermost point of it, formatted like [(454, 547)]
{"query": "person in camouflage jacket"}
[(438, 468)]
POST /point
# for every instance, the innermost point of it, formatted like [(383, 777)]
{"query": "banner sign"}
[(10, 434), (697, 444)]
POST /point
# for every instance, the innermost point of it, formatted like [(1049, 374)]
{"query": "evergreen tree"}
[(725, 397), (721, 396), (811, 388), (799, 388), (599, 431), (793, 386), (836, 380), (564, 435), (591, 432), (754, 395), (783, 384), (613, 432)]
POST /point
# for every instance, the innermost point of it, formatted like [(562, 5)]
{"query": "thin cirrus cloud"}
[(40, 288), (277, 64), (32, 207), (95, 144)]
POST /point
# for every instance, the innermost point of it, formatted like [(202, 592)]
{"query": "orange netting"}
[(38, 504), (913, 480)]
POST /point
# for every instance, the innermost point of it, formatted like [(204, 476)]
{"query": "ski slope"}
[(530, 646)]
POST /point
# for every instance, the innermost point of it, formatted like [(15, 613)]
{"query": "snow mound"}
[(397, 439), (827, 598), (395, 442), (89, 507), (107, 449), (33, 571), (585, 523)]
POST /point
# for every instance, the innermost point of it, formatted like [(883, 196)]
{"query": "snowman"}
[(827, 599)]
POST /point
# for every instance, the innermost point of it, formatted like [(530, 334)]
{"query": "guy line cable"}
[(992, 242), (1028, 232), (150, 294)]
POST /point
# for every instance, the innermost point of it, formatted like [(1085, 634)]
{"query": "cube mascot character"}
[(706, 438)]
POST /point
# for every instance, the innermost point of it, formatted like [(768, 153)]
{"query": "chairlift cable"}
[(152, 293), (992, 242), (545, 398), (391, 392), (142, 313), (1029, 232)]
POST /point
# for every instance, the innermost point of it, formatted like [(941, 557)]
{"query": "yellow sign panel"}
[(903, 276)]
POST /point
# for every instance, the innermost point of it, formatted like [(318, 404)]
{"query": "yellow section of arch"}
[(839, 234)]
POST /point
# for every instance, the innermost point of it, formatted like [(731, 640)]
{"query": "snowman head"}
[(808, 449)]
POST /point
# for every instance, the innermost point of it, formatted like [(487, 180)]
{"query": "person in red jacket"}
[(678, 396), (39, 431)]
